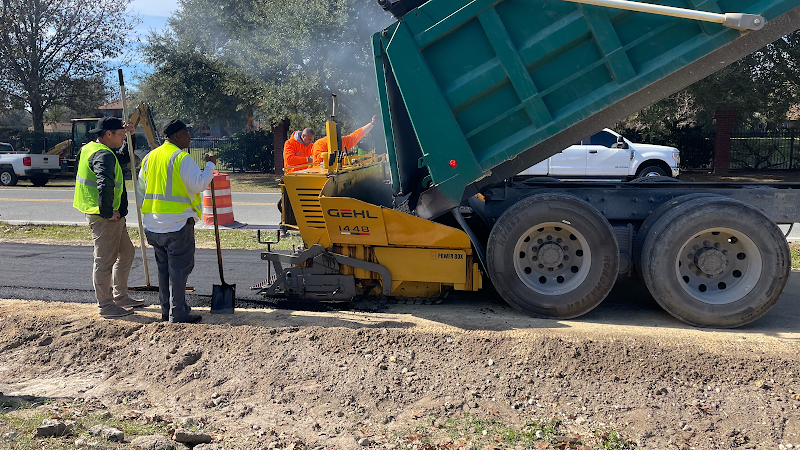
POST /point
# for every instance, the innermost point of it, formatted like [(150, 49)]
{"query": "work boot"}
[(127, 302), (191, 318), (114, 311)]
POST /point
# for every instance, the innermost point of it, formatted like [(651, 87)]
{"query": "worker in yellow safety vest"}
[(169, 188), (100, 194)]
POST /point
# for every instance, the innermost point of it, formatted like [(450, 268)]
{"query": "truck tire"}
[(8, 177), (39, 182), (651, 171), (654, 217), (715, 262), (553, 256)]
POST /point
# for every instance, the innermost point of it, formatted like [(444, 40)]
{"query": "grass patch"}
[(24, 424), (611, 440), (794, 247), (488, 433), (80, 235)]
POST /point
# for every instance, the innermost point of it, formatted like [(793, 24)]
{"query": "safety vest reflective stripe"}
[(170, 195), (93, 183), (86, 191)]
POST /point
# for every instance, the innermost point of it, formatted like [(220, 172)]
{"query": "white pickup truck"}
[(15, 166), (608, 155)]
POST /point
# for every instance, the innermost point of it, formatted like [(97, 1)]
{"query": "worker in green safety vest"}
[(169, 188), (100, 194)]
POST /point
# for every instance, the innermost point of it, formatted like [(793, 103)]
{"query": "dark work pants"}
[(175, 259)]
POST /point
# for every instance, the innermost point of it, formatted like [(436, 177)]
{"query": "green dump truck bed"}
[(473, 92)]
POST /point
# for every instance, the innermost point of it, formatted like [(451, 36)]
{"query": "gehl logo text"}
[(354, 213)]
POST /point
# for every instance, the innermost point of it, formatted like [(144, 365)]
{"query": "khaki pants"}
[(113, 257)]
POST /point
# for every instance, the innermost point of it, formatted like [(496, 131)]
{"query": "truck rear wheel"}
[(8, 177), (39, 181), (715, 262), (654, 218), (553, 256)]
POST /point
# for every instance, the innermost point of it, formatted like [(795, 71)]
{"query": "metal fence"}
[(765, 150), (750, 149), (200, 146)]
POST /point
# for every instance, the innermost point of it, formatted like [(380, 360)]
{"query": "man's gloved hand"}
[(212, 158)]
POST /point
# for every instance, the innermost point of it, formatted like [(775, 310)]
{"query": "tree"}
[(51, 49), (281, 58), (188, 84), (762, 87)]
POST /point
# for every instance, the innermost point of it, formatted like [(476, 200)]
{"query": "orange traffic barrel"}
[(222, 192)]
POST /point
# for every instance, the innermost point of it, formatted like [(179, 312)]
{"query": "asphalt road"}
[(54, 206), (63, 273)]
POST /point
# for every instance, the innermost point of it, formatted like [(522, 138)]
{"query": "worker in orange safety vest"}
[(348, 142), (297, 150)]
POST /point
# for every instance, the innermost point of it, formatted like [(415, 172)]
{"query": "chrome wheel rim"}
[(718, 266), (5, 178), (552, 258)]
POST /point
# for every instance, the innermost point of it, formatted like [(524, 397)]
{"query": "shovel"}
[(222, 296)]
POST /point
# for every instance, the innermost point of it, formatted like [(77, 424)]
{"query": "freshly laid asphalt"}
[(63, 273)]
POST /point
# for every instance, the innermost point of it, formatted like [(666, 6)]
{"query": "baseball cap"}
[(107, 123)]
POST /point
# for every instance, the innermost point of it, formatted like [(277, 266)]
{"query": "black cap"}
[(173, 126), (107, 123)]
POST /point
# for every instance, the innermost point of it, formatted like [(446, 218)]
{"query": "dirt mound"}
[(348, 385)]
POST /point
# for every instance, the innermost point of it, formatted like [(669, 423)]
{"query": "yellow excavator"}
[(69, 150)]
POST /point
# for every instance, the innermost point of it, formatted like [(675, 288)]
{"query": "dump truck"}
[(474, 92)]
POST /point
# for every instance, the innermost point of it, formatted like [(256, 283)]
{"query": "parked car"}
[(15, 166), (607, 154)]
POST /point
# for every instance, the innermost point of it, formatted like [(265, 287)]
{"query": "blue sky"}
[(153, 14)]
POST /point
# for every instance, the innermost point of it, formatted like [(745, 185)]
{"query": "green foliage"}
[(611, 440), (794, 247), (532, 431), (761, 87), (251, 151), (188, 84), (273, 60), (56, 52)]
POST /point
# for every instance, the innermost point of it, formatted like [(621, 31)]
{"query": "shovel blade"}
[(222, 298)]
